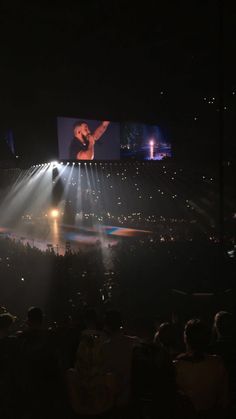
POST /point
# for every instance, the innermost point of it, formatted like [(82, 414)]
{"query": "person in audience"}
[(8, 367), (118, 351), (225, 346), (41, 390), (65, 339), (165, 337), (35, 319), (91, 388), (152, 378), (202, 377)]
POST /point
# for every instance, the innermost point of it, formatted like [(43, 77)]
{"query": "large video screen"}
[(86, 139)]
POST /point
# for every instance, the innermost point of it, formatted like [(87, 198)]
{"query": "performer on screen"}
[(82, 145)]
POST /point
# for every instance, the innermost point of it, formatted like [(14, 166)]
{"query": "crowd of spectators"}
[(68, 360), (124, 276), (95, 365)]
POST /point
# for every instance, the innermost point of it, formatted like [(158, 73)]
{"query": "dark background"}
[(154, 62)]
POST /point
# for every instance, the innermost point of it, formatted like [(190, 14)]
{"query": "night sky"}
[(157, 62)]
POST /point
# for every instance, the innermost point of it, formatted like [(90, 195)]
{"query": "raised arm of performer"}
[(99, 131)]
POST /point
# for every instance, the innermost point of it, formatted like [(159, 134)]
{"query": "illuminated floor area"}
[(61, 237)]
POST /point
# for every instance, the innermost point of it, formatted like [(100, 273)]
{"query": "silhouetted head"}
[(196, 336), (164, 334), (35, 317), (6, 320), (224, 324)]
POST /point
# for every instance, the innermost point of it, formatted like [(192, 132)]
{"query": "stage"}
[(61, 238)]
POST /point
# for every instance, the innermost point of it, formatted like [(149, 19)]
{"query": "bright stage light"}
[(54, 163), (55, 213)]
